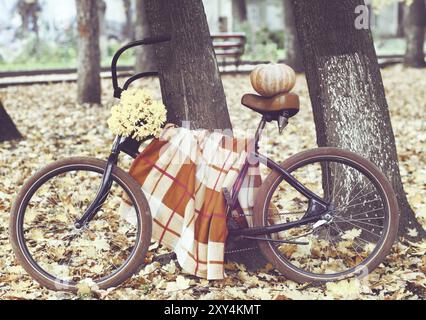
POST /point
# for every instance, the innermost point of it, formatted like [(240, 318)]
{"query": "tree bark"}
[(414, 23), (145, 55), (8, 130), (191, 85), (239, 12), (89, 82), (291, 41), (128, 30), (346, 90)]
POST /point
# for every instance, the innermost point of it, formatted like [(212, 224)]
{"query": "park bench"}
[(229, 45)]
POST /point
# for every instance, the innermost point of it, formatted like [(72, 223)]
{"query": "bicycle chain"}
[(241, 250), (255, 248)]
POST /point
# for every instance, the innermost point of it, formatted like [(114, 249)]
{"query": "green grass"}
[(383, 47), (36, 65), (5, 67), (390, 46)]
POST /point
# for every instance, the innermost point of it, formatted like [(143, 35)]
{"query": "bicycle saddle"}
[(288, 102)]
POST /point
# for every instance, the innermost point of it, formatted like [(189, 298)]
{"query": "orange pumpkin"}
[(271, 79)]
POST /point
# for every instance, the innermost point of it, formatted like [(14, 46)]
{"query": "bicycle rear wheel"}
[(109, 250), (360, 230)]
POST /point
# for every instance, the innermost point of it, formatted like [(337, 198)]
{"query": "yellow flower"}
[(137, 115)]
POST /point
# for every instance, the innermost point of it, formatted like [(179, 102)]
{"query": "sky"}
[(57, 12)]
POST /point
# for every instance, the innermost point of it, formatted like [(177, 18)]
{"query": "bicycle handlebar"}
[(146, 41)]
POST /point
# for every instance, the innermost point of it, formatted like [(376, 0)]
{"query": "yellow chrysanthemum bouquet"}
[(137, 115)]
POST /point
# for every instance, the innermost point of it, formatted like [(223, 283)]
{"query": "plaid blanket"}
[(183, 175)]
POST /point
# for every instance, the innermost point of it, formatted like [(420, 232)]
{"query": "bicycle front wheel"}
[(356, 236), (109, 250)]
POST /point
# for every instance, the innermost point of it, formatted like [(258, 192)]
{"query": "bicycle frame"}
[(316, 211)]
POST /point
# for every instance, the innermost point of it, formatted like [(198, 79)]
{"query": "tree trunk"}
[(191, 85), (103, 37), (239, 13), (401, 30), (8, 130), (35, 14), (291, 40), (25, 22), (190, 80), (415, 22), (346, 89), (29, 10), (89, 82), (145, 55), (128, 30)]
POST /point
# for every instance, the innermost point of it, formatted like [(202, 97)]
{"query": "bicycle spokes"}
[(346, 235), (66, 252)]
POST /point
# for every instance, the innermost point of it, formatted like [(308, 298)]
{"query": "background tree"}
[(89, 82), (29, 11), (128, 30), (414, 26), (145, 55), (291, 41), (191, 85), (103, 37), (401, 10), (346, 90), (8, 130), (239, 12)]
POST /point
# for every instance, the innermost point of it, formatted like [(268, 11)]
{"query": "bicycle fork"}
[(104, 189)]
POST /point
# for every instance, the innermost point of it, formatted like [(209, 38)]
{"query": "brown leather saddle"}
[(287, 103)]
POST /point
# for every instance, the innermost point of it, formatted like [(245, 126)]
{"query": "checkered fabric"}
[(182, 175)]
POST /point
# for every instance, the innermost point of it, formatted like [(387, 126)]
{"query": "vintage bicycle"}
[(322, 215)]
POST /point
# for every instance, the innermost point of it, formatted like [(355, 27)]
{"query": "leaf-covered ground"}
[(56, 127)]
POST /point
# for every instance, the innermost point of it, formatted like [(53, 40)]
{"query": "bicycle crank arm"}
[(277, 241)]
